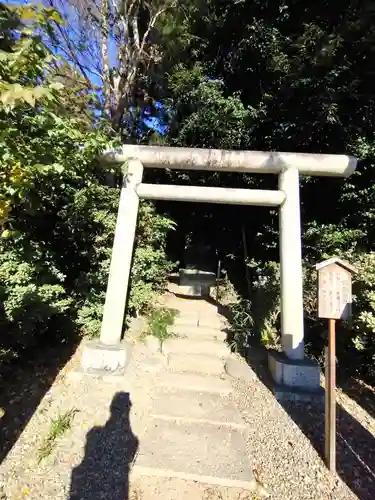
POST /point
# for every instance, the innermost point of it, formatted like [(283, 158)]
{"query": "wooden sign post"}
[(334, 302)]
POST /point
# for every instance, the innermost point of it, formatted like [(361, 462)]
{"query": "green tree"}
[(58, 215), (116, 45), (301, 74)]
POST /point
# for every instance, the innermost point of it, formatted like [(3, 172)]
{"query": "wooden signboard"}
[(334, 289), (334, 302)]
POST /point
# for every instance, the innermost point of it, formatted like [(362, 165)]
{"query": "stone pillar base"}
[(295, 379), (196, 277), (196, 283), (199, 291), (99, 358)]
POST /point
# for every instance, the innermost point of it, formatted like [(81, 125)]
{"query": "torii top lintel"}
[(233, 161)]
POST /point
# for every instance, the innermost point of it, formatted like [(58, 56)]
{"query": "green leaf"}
[(29, 97)]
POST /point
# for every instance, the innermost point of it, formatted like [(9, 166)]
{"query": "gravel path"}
[(283, 442)]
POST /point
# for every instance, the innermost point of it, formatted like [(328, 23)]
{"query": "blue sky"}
[(152, 122)]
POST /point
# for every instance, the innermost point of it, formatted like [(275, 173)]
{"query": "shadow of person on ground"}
[(109, 453), (355, 448)]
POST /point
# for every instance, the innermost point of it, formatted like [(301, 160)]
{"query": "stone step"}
[(191, 346), (196, 318), (212, 321), (196, 276), (195, 382), (195, 290), (209, 453), (199, 333), (157, 485), (195, 363), (187, 319), (236, 367), (199, 407)]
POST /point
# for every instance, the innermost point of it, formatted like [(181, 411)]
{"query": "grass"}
[(158, 323), (58, 427)]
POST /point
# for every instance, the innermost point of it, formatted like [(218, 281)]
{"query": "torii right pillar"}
[(296, 377), (292, 332)]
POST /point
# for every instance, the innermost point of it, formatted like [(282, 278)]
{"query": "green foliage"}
[(59, 427), (321, 241), (37, 144), (90, 237), (286, 78), (24, 64), (241, 325), (257, 321), (362, 331), (159, 322), (151, 267), (266, 300), (57, 215), (32, 294), (203, 115)]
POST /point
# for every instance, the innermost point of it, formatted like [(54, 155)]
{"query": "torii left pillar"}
[(109, 355)]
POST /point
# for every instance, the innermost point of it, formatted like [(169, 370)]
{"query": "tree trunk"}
[(105, 59)]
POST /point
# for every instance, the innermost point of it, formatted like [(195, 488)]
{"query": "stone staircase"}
[(195, 432), (196, 348)]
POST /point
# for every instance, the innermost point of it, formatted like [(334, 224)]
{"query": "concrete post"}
[(291, 266), (119, 273)]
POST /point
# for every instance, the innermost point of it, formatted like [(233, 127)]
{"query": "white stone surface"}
[(195, 382), (195, 406), (229, 196), (261, 162), (117, 288), (196, 277), (152, 343), (201, 449), (291, 295), (187, 319), (298, 374), (213, 321), (199, 333), (99, 357), (152, 365), (196, 363), (189, 346), (195, 290)]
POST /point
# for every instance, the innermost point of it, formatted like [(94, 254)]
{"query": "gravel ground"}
[(110, 418), (283, 442)]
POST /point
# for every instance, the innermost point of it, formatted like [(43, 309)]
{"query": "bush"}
[(266, 292), (158, 323), (33, 298), (57, 215), (151, 267), (355, 339), (57, 265), (363, 325)]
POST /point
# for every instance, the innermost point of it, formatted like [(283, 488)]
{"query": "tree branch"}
[(153, 20), (134, 25), (105, 59), (72, 53)]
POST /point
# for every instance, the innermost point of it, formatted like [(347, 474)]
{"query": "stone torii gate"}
[(287, 166)]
